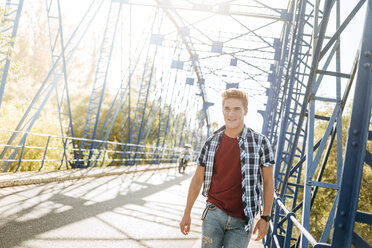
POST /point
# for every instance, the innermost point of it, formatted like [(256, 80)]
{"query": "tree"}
[(324, 198), (33, 60)]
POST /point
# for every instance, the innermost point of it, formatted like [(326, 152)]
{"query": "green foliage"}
[(5, 42), (325, 197), (31, 63), (214, 126), (10, 114)]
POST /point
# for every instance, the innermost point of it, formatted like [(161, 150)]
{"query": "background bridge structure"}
[(128, 82)]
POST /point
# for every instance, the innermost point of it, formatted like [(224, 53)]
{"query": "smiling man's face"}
[(233, 113)]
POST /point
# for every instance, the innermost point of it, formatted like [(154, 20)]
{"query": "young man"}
[(234, 165)]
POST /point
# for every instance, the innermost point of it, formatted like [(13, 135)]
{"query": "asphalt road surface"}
[(129, 210)]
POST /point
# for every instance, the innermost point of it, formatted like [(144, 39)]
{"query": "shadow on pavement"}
[(27, 212)]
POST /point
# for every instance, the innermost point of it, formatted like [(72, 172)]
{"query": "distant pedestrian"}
[(234, 167)]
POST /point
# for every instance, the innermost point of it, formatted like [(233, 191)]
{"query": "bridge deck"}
[(128, 210)]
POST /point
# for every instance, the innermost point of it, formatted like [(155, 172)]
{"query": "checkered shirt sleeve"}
[(266, 153), (201, 159)]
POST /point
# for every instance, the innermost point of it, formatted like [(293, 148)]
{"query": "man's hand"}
[(185, 224), (194, 189), (262, 226)]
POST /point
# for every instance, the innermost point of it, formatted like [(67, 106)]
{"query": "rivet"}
[(340, 226), (366, 65), (367, 53), (355, 132), (354, 143), (342, 213)]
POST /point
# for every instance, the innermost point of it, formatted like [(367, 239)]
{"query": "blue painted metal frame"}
[(118, 105), (273, 106), (15, 8), (334, 128), (99, 86), (289, 103), (177, 20), (49, 84), (179, 23), (137, 135), (54, 15), (293, 95), (311, 164), (343, 232)]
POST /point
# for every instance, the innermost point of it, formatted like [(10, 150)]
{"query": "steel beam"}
[(12, 15), (344, 223), (99, 86)]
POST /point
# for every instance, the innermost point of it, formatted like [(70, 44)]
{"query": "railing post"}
[(45, 151), (288, 233), (21, 155), (275, 224)]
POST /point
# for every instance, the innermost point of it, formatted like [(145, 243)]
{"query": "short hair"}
[(237, 94)]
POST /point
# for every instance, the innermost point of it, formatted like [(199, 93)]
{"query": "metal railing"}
[(291, 219), (47, 152)]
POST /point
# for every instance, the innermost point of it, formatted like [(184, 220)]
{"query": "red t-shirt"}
[(226, 187)]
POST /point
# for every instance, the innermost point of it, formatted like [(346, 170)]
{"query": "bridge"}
[(102, 95), (115, 207), (140, 209)]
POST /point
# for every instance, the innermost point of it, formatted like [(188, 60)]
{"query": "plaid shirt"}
[(255, 152)]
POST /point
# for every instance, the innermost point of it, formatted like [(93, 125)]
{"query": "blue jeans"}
[(222, 230)]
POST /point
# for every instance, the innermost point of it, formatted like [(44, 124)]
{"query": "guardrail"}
[(291, 221), (34, 177), (43, 152)]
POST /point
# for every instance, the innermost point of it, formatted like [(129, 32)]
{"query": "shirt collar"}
[(242, 135)]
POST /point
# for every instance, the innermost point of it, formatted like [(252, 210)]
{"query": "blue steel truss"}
[(300, 161), (146, 83), (356, 155), (57, 48), (179, 68), (9, 153), (12, 15), (87, 148)]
